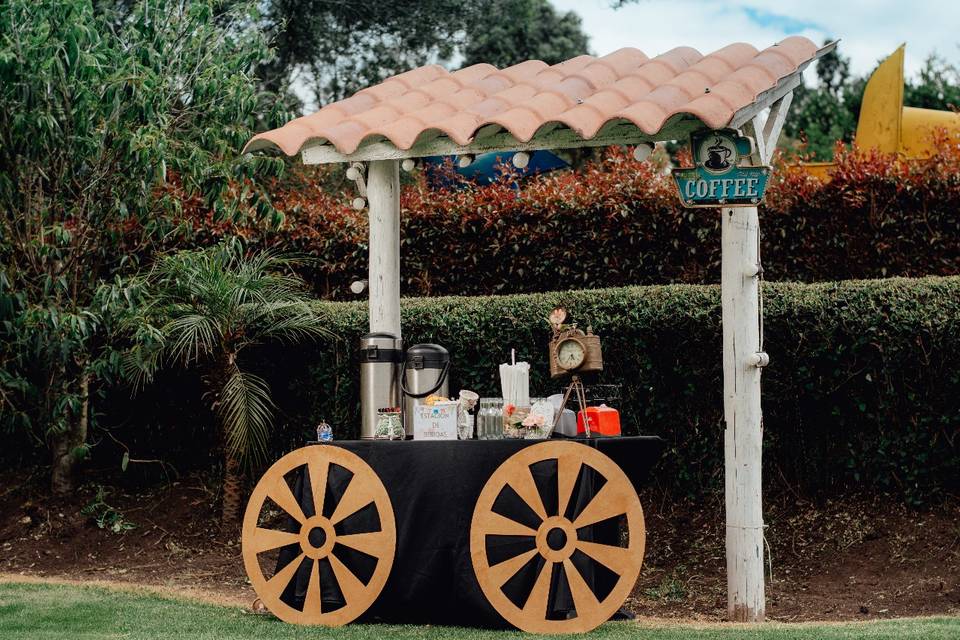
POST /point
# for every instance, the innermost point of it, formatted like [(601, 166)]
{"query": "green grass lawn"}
[(38, 611)]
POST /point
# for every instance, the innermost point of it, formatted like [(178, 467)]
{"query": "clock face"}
[(570, 354)]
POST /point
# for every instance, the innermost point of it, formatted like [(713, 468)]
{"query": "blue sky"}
[(868, 30)]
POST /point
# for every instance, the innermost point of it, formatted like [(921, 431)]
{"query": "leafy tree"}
[(336, 48), (828, 112), (96, 115), (937, 87), (206, 307), (512, 31)]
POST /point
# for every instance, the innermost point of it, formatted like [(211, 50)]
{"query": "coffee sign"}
[(719, 179)]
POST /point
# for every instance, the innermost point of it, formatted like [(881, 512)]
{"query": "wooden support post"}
[(743, 437), (742, 363), (383, 194)]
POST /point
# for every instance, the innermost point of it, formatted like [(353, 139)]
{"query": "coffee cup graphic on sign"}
[(718, 155)]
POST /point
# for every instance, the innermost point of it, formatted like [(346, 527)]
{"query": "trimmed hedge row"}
[(618, 222), (863, 389)]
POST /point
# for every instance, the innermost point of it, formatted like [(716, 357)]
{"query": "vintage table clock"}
[(572, 353)]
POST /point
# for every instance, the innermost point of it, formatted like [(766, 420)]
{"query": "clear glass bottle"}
[(489, 419)]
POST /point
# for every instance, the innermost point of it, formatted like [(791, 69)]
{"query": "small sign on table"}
[(436, 421)]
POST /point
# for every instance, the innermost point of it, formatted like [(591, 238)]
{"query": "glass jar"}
[(542, 414), (513, 417), (389, 424)]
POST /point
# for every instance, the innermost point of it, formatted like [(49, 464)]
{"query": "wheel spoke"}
[(500, 573), (317, 469), (358, 495), (568, 470), (527, 489), (607, 503), (280, 580), (279, 492), (267, 539), (583, 598), (497, 525), (610, 556), (369, 543), (350, 585), (536, 603), (313, 601)]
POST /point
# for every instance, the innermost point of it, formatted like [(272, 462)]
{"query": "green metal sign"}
[(719, 178)]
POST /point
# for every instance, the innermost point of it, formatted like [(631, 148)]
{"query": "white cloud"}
[(869, 30)]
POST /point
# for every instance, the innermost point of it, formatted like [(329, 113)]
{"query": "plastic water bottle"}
[(324, 432)]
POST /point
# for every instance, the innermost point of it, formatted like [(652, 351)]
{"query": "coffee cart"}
[(736, 99)]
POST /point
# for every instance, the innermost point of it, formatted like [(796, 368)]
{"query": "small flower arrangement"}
[(514, 418)]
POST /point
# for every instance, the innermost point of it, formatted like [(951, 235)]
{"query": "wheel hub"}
[(556, 539), (317, 537)]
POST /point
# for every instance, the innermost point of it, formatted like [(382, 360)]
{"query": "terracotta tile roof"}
[(583, 93)]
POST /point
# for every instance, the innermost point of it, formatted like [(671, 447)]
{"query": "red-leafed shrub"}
[(618, 222)]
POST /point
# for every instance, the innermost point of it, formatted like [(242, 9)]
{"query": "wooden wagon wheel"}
[(556, 540), (317, 536)]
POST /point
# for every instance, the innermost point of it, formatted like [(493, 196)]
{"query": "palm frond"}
[(139, 364), (246, 413), (288, 321), (212, 303), (191, 336)]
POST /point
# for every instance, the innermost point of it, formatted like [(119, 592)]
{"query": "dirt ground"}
[(853, 559)]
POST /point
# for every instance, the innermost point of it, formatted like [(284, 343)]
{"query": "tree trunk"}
[(64, 446), (232, 469), (232, 492)]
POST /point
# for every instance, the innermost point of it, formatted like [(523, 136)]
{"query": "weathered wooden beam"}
[(383, 195), (754, 129), (743, 436), (774, 124), (559, 138)]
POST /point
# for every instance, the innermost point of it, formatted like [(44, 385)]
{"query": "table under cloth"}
[(433, 487)]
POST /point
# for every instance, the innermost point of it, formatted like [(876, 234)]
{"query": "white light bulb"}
[(641, 152)]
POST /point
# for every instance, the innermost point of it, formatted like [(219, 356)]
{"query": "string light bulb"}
[(642, 151)]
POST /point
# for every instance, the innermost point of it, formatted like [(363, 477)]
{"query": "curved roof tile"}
[(583, 93)]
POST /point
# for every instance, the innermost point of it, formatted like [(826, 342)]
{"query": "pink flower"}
[(534, 420)]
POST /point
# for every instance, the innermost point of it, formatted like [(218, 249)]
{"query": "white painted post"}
[(743, 437), (383, 194)]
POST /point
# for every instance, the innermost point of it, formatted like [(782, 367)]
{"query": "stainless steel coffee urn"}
[(381, 358), (426, 369)]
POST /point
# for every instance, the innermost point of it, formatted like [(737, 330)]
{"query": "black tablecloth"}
[(433, 486)]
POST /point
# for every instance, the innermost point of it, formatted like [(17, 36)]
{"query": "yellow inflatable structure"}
[(885, 124)]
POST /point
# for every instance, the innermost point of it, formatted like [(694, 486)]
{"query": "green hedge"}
[(863, 389)]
